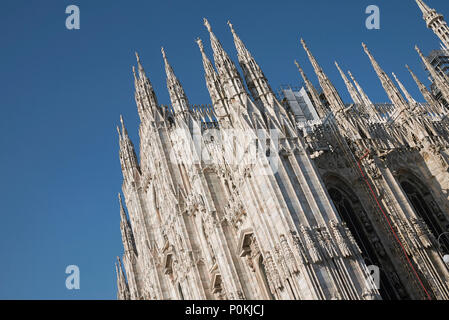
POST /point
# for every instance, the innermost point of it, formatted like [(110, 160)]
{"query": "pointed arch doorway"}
[(352, 212)]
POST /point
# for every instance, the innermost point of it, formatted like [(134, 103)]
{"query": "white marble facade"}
[(248, 199)]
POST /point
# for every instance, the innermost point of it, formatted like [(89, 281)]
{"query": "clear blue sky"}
[(61, 94)]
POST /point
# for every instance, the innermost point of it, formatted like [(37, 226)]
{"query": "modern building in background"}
[(294, 195)]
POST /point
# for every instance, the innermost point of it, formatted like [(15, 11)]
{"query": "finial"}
[(163, 53), (298, 66), (231, 26), (123, 125), (365, 47), (200, 44), (119, 133), (418, 50), (303, 43), (137, 57), (207, 24)]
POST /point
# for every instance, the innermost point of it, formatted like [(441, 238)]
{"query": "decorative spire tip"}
[(200, 44), (207, 24), (231, 26)]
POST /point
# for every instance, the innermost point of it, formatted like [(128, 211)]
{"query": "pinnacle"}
[(298, 66), (418, 50), (123, 125), (365, 48), (423, 6), (231, 26), (200, 44), (207, 24)]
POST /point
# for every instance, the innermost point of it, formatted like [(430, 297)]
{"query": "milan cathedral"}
[(295, 196)]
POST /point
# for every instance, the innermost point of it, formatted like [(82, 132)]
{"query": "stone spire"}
[(352, 91), (439, 78), (335, 102), (128, 157), (145, 97), (425, 92), (139, 65), (332, 96), (392, 92), (216, 92), (435, 21), (178, 97), (122, 285), (369, 106), (125, 228), (254, 77), (404, 90), (366, 100), (227, 71), (320, 108)]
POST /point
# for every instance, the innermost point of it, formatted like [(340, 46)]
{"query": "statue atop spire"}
[(207, 24), (200, 44), (140, 67)]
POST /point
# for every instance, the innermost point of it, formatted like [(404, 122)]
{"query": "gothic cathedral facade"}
[(239, 200)]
